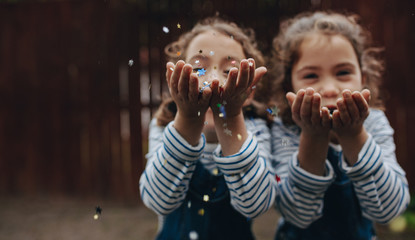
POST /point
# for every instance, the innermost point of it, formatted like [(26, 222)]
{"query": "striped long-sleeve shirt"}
[(171, 162), (378, 180)]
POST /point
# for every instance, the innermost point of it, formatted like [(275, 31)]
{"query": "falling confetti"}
[(193, 235), (189, 204), (212, 53), (285, 142), (227, 131), (179, 53), (98, 211), (201, 212), (273, 111), (130, 62), (233, 62), (171, 69), (198, 113), (166, 29), (250, 64), (206, 198), (215, 171), (201, 72), (178, 25)]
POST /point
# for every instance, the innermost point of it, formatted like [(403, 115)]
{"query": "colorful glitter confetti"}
[(212, 53), (197, 61), (198, 113), (227, 131), (277, 178), (250, 64), (201, 212), (166, 29), (178, 25), (215, 171), (130, 62), (179, 53), (239, 137), (98, 211), (171, 69), (201, 72), (189, 204), (206, 198)]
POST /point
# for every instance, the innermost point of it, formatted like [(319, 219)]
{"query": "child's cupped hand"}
[(352, 110), (184, 89), (229, 99), (307, 112)]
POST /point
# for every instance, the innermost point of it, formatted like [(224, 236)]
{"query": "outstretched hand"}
[(229, 99)]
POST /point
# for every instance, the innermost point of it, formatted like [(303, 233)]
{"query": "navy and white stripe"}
[(171, 162), (247, 173), (380, 183)]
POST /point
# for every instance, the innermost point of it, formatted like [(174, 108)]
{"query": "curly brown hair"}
[(286, 53), (244, 36)]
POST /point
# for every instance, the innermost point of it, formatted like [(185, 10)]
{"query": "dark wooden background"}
[(74, 108)]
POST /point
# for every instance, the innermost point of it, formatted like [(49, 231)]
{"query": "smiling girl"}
[(337, 165), (208, 145)]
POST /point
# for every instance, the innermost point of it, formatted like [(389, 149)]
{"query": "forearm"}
[(190, 128), (352, 145), (231, 132), (312, 153)]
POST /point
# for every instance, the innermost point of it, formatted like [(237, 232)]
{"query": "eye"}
[(343, 73), (310, 76)]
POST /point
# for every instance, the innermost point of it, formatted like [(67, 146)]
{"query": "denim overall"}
[(342, 217), (212, 219)]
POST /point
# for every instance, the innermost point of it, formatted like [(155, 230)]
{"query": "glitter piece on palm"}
[(193, 235), (201, 72), (166, 29), (206, 198), (130, 62)]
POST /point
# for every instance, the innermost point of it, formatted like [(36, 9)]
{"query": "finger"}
[(169, 72), (325, 117), (366, 95), (351, 106), (251, 66), (305, 111), (174, 80), (231, 82), (184, 80), (193, 88), (315, 109), (336, 121), (344, 114), (361, 104), (290, 97), (243, 77), (297, 105), (214, 86), (258, 74), (206, 94)]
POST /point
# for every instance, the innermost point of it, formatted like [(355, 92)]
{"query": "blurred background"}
[(80, 81)]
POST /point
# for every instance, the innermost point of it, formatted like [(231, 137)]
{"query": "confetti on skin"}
[(250, 64), (225, 125), (130, 62), (179, 53), (206, 123), (201, 72), (239, 137), (233, 62), (178, 25), (197, 61), (212, 53), (166, 29), (171, 69), (206, 198), (221, 115), (201, 212), (205, 83), (227, 131), (193, 235), (203, 88), (222, 111), (253, 87)]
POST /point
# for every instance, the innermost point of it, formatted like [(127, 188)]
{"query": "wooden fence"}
[(79, 81)]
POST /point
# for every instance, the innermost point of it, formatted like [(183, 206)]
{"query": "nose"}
[(329, 89)]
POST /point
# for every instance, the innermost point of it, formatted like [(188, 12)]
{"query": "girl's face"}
[(327, 63), (212, 55)]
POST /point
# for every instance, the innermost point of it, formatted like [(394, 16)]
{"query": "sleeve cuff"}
[(177, 146), (239, 161), (368, 160), (308, 181)]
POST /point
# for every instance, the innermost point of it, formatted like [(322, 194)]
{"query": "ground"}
[(64, 218)]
